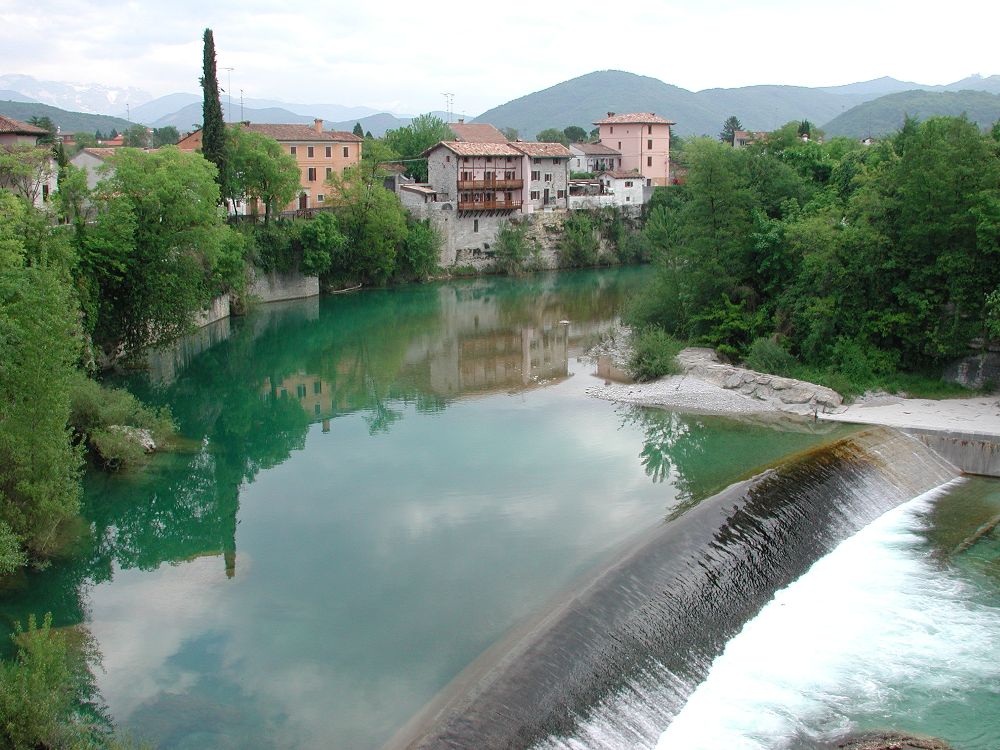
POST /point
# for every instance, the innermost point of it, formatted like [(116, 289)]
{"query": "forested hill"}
[(582, 100), (886, 114), (68, 122)]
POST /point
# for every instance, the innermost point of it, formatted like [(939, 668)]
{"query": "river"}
[(375, 489)]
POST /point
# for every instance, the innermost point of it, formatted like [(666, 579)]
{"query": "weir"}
[(659, 615)]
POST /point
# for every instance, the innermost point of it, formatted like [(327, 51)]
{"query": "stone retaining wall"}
[(276, 287)]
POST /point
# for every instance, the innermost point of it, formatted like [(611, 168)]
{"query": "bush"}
[(578, 245), (653, 355), (420, 253), (767, 355), (95, 408), (511, 246), (634, 247)]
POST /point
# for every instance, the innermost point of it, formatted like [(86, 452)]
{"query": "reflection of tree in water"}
[(703, 454)]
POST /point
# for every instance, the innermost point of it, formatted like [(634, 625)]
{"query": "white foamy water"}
[(875, 634)]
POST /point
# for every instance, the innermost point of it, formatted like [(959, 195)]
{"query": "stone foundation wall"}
[(276, 287)]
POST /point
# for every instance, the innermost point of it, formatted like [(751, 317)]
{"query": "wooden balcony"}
[(494, 184), (490, 205)]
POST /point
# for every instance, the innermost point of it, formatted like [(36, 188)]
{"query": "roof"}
[(476, 149), (301, 133), (639, 118), (100, 153), (476, 132), (419, 187), (534, 148), (596, 149), (622, 174), (10, 125)]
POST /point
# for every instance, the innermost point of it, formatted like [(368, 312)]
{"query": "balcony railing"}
[(489, 205), (495, 184)]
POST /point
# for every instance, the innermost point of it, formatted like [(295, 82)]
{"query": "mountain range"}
[(853, 109)]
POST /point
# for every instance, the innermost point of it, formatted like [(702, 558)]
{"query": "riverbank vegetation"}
[(835, 262)]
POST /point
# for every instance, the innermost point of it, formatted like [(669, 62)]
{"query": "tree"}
[(24, 169), (358, 130), (46, 124), (259, 170), (551, 135), (137, 136), (575, 134), (371, 217), (213, 125), (158, 251), (72, 199), (729, 128), (509, 133), (165, 136), (411, 141), (39, 345)]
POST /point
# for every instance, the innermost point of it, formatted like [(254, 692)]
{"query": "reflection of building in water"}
[(314, 395), (498, 360)]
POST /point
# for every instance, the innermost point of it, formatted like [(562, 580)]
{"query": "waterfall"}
[(615, 661)]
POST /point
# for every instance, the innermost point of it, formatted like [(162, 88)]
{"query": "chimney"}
[(611, 114), (318, 125)]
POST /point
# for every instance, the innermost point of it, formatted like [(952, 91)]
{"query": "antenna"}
[(241, 105), (128, 112), (229, 90), (449, 103)]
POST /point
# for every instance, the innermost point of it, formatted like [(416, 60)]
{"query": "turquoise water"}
[(371, 490)]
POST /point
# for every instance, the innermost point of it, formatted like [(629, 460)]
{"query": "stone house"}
[(643, 139), (593, 158), (319, 154), (547, 167)]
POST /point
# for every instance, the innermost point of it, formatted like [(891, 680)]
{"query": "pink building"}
[(643, 139)]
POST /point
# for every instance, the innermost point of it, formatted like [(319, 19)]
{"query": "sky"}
[(403, 55)]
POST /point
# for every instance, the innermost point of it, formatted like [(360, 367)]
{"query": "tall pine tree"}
[(213, 127)]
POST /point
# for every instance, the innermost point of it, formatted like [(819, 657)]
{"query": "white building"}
[(594, 157)]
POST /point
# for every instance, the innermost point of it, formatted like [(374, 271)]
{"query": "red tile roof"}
[(548, 150), (10, 125), (622, 174), (463, 148), (639, 118), (476, 132), (596, 149), (301, 133), (101, 153)]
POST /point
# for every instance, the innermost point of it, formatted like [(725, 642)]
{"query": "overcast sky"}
[(401, 55)]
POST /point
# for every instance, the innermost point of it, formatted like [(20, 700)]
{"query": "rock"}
[(138, 435), (891, 741)]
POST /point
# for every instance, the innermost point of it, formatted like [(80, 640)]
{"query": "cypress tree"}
[(213, 125), (358, 131)]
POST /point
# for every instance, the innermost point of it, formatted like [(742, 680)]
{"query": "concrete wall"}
[(91, 163), (971, 453), (578, 202), (218, 309), (275, 287)]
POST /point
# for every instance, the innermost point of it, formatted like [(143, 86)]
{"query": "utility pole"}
[(229, 91), (241, 105), (449, 103)]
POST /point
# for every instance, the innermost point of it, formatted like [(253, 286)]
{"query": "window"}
[(534, 195), (292, 150), (320, 197), (475, 225), (628, 198), (536, 161), (619, 145), (317, 386), (560, 193), (316, 409), (329, 172), (309, 151), (45, 192), (300, 391), (612, 130), (649, 144), (345, 152), (536, 175), (447, 157), (650, 131), (312, 174), (628, 183), (548, 177), (329, 151)]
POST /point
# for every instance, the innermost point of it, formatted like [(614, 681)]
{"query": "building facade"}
[(643, 140), (15, 135), (319, 154), (594, 158)]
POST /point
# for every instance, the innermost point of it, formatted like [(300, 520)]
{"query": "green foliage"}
[(582, 175), (45, 123), (24, 169), (860, 260), (654, 354), (767, 355), (158, 251), (321, 241), (73, 200), (213, 123), (885, 115), (729, 128), (419, 254), (137, 136), (38, 346), (165, 136), (511, 247), (575, 134), (411, 141), (579, 244), (993, 314), (553, 135), (358, 131), (258, 169), (509, 133)]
